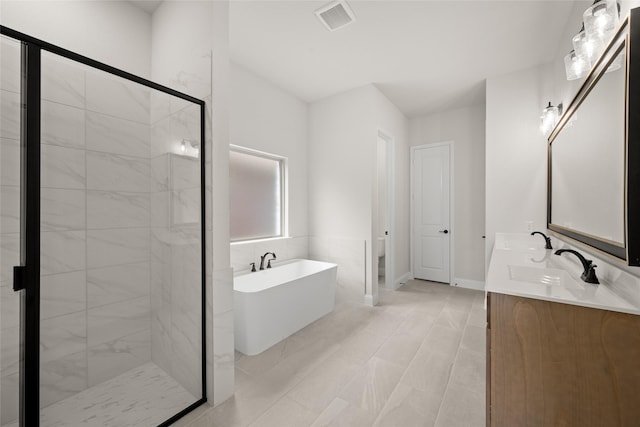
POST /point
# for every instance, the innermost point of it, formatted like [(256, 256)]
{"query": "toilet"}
[(381, 244)]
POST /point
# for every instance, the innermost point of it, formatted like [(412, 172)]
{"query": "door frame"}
[(452, 232), (389, 245)]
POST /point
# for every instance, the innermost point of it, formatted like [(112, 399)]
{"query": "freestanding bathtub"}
[(270, 305)]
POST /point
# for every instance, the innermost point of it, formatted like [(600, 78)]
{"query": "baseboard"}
[(402, 280), (392, 286), (370, 300), (469, 284)]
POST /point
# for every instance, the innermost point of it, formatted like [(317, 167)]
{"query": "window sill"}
[(270, 239)]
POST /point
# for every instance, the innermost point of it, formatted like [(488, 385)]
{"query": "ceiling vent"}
[(335, 15)]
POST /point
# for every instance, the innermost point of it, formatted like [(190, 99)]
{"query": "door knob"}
[(445, 231)]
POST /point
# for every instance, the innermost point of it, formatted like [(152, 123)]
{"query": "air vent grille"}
[(335, 15)]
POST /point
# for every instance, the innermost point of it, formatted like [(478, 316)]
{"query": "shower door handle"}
[(19, 273)]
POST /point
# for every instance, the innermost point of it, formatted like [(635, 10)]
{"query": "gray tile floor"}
[(417, 359)]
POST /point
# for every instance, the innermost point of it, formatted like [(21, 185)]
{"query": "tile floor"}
[(417, 359)]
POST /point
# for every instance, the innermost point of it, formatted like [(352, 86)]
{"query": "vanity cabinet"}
[(555, 364)]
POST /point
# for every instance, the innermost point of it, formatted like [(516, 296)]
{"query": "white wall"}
[(516, 151), (343, 134), (268, 119), (466, 128), (182, 36), (342, 162), (516, 165), (114, 32)]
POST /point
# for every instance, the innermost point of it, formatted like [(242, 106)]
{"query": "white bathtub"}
[(272, 304)]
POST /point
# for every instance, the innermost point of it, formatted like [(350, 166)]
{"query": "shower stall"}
[(102, 243)]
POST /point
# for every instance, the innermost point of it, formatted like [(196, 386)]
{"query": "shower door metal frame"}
[(27, 275)]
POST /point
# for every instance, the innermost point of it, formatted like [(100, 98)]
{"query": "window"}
[(256, 193)]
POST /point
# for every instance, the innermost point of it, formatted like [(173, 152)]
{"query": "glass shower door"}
[(121, 283), (101, 191)]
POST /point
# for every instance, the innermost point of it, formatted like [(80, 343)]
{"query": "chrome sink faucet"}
[(589, 273), (263, 258), (547, 240)]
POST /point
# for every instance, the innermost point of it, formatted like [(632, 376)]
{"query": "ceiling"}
[(424, 55)]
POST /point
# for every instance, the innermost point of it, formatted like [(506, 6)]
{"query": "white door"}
[(431, 184)]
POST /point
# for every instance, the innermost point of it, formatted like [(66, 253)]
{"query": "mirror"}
[(592, 184)]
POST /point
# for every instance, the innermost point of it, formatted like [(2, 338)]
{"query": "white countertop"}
[(520, 266)]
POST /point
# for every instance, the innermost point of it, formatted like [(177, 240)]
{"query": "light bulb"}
[(183, 147), (587, 46), (576, 66), (600, 22)]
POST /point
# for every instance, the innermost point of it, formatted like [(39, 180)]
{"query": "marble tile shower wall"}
[(175, 241), (95, 240), (95, 164)]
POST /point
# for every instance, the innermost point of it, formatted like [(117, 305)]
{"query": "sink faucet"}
[(589, 273), (546, 239), (263, 257)]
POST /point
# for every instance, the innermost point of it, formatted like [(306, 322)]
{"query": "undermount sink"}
[(540, 274), (544, 276)]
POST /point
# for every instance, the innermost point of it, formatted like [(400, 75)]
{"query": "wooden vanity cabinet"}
[(553, 364)]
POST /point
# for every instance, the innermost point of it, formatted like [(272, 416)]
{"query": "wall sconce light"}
[(601, 19), (599, 23), (549, 118)]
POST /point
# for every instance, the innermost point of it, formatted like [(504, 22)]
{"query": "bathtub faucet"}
[(264, 257)]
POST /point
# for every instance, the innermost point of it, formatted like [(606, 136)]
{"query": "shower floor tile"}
[(143, 396)]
